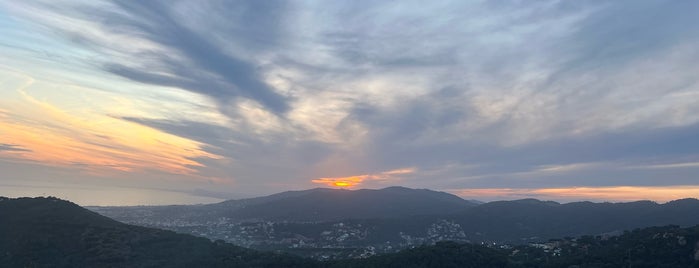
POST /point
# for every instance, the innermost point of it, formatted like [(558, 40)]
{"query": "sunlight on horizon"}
[(390, 176), (598, 194)]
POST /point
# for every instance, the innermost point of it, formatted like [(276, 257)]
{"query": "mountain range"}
[(314, 205), (394, 218)]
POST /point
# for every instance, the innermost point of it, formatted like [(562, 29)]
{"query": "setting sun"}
[(356, 180), (347, 182), (341, 184)]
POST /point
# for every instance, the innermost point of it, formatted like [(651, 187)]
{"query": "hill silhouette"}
[(512, 221), (49, 232), (314, 205), (323, 204)]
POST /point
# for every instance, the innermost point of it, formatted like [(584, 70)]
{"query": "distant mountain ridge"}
[(322, 204), (516, 220), (314, 205)]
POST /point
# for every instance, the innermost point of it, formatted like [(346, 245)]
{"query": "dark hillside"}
[(49, 232), (331, 204)]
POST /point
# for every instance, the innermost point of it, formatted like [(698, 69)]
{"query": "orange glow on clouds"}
[(352, 181), (616, 193), (92, 142), (342, 182)]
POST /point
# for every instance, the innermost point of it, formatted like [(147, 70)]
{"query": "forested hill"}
[(49, 232)]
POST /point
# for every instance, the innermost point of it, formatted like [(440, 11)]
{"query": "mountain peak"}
[(533, 201), (683, 202), (397, 188), (336, 204)]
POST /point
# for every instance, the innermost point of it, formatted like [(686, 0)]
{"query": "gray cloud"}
[(446, 126), (252, 162), (12, 148), (197, 63), (238, 78), (625, 30)]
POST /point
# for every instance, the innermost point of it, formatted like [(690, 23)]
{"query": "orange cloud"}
[(616, 193), (95, 143), (352, 181)]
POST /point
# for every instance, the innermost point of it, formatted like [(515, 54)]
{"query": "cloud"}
[(47, 134), (673, 165), (164, 49), (12, 148), (650, 27), (248, 159)]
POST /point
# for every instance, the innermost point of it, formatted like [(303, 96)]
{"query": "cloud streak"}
[(162, 51), (12, 148), (54, 136)]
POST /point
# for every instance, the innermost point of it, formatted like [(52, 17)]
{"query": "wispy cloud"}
[(670, 166), (155, 43), (12, 148), (54, 136)]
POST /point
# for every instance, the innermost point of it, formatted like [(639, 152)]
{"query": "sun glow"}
[(352, 181), (342, 184), (346, 182)]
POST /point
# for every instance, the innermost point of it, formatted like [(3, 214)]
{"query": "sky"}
[(179, 102)]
